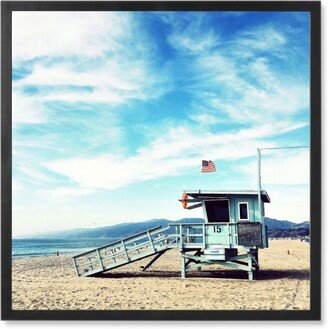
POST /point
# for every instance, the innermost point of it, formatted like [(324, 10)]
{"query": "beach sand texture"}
[(50, 283)]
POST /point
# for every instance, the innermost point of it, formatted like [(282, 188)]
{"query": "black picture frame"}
[(7, 7)]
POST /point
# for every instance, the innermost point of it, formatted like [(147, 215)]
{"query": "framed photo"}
[(160, 160)]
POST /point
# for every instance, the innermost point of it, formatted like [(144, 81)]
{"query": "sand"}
[(283, 283)]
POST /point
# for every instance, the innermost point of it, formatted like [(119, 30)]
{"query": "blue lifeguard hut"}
[(233, 231)]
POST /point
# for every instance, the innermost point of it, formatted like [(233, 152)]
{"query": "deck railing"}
[(205, 235)]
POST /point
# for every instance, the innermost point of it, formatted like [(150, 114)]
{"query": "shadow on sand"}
[(226, 274)]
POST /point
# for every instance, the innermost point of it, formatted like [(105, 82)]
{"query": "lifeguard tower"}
[(231, 235), (233, 231)]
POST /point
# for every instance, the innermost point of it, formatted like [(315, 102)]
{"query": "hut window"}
[(217, 211), (243, 210)]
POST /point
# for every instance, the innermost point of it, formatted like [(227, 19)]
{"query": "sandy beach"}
[(283, 283)]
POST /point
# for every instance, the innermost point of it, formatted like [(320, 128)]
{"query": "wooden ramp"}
[(145, 244)]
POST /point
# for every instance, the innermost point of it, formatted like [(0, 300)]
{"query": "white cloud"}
[(285, 175), (64, 193), (282, 167), (34, 173), (17, 186), (174, 153), (205, 118), (27, 109), (88, 34), (289, 203), (96, 50)]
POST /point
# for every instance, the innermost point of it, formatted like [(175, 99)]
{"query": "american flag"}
[(208, 166)]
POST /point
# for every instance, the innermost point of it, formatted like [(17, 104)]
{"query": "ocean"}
[(50, 247)]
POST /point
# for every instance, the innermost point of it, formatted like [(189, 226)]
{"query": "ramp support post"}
[(154, 260)]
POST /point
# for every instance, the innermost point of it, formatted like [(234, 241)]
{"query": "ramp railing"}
[(124, 251)]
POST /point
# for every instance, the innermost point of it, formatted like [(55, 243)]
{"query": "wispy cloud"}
[(95, 52), (180, 150), (193, 40), (114, 82), (264, 38), (248, 90)]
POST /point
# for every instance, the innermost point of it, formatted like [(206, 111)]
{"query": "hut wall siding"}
[(252, 207)]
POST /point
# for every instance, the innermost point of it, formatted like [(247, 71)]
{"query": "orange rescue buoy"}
[(184, 200)]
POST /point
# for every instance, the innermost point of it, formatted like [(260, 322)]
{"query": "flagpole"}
[(259, 182), (199, 180)]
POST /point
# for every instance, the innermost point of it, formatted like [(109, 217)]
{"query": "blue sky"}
[(113, 113)]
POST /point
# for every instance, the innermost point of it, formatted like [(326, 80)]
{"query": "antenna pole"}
[(259, 181)]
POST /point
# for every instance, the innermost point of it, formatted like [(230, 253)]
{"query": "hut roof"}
[(225, 193)]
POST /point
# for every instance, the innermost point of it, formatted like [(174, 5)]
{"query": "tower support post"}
[(183, 266), (250, 266)]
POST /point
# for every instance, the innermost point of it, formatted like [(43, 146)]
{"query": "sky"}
[(114, 111)]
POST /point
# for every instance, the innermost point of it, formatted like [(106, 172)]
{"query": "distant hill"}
[(273, 223), (286, 229), (119, 231), (276, 228)]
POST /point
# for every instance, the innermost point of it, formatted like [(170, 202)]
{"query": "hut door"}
[(217, 211)]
